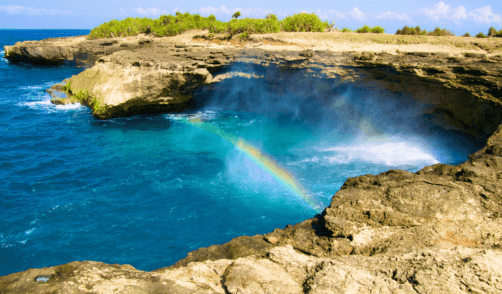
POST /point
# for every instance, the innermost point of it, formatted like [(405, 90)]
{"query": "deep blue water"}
[(146, 190)]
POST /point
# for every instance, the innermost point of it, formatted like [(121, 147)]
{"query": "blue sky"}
[(457, 16)]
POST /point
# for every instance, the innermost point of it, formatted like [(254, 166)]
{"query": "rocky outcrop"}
[(146, 75), (438, 230), (75, 51)]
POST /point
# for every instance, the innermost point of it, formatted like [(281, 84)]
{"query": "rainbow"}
[(267, 164)]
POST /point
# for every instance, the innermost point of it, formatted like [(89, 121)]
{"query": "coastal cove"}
[(185, 143)]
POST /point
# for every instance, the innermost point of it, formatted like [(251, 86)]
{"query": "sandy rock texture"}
[(283, 270), (438, 230)]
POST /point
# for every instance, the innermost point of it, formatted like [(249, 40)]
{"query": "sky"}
[(457, 16)]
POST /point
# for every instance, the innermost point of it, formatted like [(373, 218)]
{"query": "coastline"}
[(386, 230)]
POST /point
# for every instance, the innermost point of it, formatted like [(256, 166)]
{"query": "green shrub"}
[(466, 35), (171, 25), (346, 30), (377, 30), (81, 96), (253, 26), (440, 32), (303, 22), (244, 36), (480, 35), (165, 25), (124, 28), (236, 14), (411, 31), (492, 32), (368, 29)]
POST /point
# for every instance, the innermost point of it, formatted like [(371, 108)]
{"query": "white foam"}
[(36, 104), (49, 107), (69, 106), (43, 86), (387, 153), (28, 232), (203, 115)]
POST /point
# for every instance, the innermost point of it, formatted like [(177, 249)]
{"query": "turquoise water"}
[(146, 190)]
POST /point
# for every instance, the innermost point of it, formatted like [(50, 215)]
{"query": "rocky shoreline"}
[(435, 231)]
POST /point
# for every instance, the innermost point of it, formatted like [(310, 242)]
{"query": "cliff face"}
[(435, 231)]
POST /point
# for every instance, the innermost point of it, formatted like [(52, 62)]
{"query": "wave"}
[(43, 86), (70, 106), (48, 106), (202, 115), (385, 153)]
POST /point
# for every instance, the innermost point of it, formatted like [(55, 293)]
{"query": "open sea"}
[(146, 190)]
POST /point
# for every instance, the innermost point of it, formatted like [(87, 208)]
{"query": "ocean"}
[(145, 190)]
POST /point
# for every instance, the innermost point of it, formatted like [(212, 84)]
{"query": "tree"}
[(492, 32), (236, 15)]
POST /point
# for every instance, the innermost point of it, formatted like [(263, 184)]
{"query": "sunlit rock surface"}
[(435, 231)]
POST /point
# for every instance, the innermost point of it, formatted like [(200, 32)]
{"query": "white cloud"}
[(438, 13), (485, 15), (22, 10), (245, 12), (330, 14), (357, 14), (443, 12), (152, 11), (212, 10), (394, 15)]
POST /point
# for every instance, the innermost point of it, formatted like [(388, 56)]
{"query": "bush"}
[(466, 35), (254, 26), (244, 36), (368, 29), (236, 15), (492, 32), (165, 25), (440, 32), (346, 30), (377, 30), (480, 35), (124, 28), (411, 31), (171, 25), (303, 22)]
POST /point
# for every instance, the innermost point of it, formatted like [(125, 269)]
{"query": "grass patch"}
[(83, 97)]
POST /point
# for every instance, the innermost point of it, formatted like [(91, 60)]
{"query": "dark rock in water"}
[(438, 230)]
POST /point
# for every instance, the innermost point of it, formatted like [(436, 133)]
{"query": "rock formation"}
[(438, 230)]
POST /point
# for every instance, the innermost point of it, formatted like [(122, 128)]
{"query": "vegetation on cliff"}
[(414, 31), (169, 25), (418, 31)]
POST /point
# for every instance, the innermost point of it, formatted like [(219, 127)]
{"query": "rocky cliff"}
[(435, 231)]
